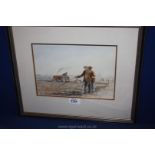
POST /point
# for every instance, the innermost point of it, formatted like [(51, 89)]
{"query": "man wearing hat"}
[(92, 78), (85, 75), (88, 76)]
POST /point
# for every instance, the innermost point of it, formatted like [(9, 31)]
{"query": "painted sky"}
[(57, 59)]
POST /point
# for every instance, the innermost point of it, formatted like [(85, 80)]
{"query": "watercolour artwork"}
[(75, 70)]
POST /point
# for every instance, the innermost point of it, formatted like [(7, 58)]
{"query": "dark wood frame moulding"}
[(136, 77)]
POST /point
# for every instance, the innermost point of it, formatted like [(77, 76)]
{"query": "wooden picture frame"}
[(22, 40)]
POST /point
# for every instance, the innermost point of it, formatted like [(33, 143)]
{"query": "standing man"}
[(86, 79), (92, 79)]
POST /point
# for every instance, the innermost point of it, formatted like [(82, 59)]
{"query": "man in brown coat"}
[(92, 79), (88, 78)]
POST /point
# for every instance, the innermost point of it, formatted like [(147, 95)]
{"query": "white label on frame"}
[(74, 101)]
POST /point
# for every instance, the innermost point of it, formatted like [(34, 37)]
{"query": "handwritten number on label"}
[(74, 101)]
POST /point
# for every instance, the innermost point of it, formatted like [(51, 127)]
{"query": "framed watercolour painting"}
[(77, 72)]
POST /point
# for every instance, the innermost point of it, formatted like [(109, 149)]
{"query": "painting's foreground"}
[(103, 90)]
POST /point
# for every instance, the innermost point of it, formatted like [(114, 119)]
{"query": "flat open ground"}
[(74, 89)]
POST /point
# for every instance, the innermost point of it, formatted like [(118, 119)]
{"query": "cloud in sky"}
[(56, 59)]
